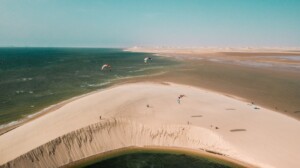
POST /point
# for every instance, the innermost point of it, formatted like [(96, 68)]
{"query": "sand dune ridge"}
[(116, 133)]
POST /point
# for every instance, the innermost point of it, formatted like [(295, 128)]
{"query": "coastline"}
[(114, 83), (25, 92), (40, 113)]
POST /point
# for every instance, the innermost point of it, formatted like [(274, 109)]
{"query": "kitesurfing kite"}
[(106, 66), (146, 59), (181, 96)]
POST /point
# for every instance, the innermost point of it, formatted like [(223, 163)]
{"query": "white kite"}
[(105, 66), (146, 59)]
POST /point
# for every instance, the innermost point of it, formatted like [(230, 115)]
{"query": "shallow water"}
[(273, 88), (274, 62), (34, 78)]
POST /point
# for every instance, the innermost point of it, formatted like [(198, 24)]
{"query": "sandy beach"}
[(212, 121)]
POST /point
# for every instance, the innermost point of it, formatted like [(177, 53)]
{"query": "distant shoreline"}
[(206, 50)]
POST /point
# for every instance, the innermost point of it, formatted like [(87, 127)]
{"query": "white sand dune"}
[(257, 136)]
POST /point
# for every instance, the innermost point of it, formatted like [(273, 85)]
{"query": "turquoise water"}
[(34, 78), (158, 160)]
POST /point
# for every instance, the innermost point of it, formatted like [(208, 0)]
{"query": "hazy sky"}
[(123, 23)]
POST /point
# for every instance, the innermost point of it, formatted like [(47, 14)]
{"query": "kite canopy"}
[(105, 66), (146, 59), (181, 96)]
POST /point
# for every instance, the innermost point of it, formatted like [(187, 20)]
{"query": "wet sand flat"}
[(245, 74)]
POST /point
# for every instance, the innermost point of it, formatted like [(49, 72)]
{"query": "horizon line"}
[(161, 47)]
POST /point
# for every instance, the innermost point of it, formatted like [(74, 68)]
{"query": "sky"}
[(170, 23)]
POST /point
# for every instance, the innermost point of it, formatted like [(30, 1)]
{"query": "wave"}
[(99, 84), (25, 118), (146, 69)]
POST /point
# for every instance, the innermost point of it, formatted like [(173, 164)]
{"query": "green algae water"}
[(34, 78), (156, 159)]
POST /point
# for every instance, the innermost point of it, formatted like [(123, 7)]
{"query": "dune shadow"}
[(297, 111), (237, 130), (230, 109)]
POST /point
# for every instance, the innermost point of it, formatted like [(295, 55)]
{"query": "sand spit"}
[(114, 134), (142, 114), (252, 57)]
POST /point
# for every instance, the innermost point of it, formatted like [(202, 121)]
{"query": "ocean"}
[(32, 79)]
